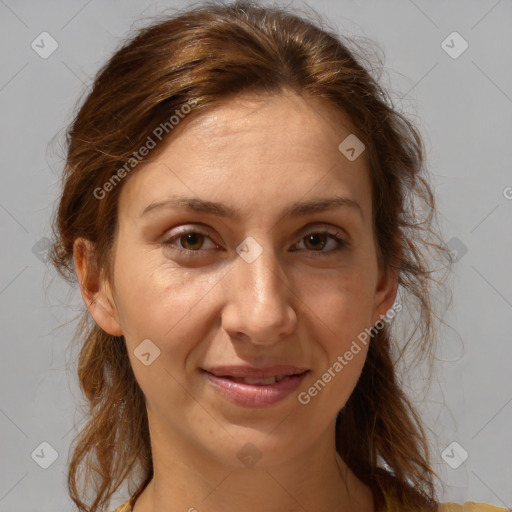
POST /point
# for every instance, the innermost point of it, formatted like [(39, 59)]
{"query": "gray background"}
[(463, 107)]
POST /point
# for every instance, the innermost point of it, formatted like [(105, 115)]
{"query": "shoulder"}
[(443, 507), (469, 507), (125, 507)]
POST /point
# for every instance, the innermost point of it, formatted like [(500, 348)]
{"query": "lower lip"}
[(256, 395)]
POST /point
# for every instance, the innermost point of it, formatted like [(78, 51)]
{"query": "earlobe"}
[(95, 289)]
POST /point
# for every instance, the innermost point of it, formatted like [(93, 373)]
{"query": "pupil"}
[(309, 238), (193, 240)]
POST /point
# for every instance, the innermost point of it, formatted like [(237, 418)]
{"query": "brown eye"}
[(317, 242), (191, 241)]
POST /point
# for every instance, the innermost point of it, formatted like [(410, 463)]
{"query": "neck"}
[(185, 479)]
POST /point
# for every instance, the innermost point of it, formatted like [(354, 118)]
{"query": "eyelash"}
[(335, 236)]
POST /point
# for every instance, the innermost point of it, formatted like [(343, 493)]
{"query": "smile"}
[(255, 392)]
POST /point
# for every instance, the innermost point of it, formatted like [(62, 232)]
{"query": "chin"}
[(251, 448)]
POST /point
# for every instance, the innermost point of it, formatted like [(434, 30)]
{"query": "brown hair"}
[(206, 55)]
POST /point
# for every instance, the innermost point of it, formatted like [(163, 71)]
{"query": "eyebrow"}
[(297, 209)]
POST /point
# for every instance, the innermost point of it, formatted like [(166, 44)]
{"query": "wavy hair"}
[(208, 54)]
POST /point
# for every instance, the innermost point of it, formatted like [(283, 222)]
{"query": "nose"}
[(259, 301)]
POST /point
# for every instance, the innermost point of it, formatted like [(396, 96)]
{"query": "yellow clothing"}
[(125, 507), (443, 507), (467, 507)]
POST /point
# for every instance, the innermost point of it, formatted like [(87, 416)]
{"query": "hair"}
[(205, 56)]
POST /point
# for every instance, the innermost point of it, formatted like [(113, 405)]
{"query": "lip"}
[(255, 395)]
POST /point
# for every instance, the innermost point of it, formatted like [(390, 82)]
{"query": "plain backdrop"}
[(460, 100)]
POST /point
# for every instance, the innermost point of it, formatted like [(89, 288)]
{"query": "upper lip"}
[(242, 371)]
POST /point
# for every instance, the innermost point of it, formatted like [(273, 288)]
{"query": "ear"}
[(95, 289), (387, 288)]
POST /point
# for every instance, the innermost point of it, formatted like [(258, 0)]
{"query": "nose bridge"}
[(261, 276), (259, 296)]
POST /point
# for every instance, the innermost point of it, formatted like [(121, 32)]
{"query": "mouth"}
[(249, 386), (258, 382)]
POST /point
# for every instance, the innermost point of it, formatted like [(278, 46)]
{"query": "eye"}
[(317, 241), (192, 241), (189, 241)]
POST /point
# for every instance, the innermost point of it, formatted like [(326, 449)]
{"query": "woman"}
[(240, 209)]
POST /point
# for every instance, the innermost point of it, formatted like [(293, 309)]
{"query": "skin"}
[(299, 302)]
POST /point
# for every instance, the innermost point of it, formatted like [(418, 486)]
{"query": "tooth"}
[(269, 380)]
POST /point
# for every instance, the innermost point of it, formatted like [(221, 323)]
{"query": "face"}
[(246, 251)]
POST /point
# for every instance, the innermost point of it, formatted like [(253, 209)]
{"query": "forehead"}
[(274, 126), (259, 151)]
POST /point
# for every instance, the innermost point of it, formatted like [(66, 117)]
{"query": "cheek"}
[(343, 303), (167, 306), (160, 302), (341, 311), (342, 308)]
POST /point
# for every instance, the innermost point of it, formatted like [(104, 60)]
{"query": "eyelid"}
[(325, 228)]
